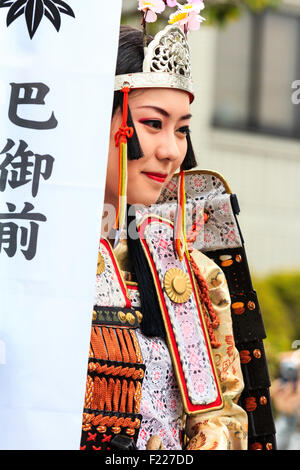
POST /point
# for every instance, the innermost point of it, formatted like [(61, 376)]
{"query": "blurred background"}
[(246, 126)]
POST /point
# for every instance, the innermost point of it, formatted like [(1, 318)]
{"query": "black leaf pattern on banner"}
[(64, 8), (16, 10), (34, 11), (52, 13), (5, 3)]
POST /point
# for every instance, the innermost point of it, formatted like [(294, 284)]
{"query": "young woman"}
[(151, 382)]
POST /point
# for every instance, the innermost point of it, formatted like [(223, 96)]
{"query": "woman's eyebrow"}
[(164, 113)]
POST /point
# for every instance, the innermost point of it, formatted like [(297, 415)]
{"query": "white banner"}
[(57, 63)]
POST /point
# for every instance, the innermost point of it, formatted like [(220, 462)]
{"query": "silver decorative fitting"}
[(166, 64)]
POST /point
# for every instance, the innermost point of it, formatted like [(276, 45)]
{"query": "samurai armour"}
[(139, 386)]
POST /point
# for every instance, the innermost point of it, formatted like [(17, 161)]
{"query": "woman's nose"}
[(167, 148)]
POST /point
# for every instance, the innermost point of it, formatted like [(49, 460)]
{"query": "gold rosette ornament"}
[(177, 285), (100, 264)]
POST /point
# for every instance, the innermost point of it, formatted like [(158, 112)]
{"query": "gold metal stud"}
[(94, 315), (263, 400), (130, 318), (122, 316), (100, 264), (139, 316), (257, 353), (251, 305), (177, 285), (116, 429)]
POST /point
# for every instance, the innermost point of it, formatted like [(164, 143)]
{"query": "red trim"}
[(191, 407), (120, 279), (131, 287)]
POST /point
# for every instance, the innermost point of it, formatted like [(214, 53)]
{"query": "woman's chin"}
[(145, 200)]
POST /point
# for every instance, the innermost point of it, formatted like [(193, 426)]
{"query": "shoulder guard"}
[(221, 240), (183, 318)]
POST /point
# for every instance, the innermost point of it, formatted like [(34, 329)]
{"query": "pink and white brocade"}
[(161, 405)]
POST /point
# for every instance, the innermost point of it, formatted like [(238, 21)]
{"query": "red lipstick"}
[(159, 177)]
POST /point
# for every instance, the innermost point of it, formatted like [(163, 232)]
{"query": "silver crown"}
[(166, 64)]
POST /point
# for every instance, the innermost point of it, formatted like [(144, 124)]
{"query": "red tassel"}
[(179, 225), (121, 136), (212, 322)]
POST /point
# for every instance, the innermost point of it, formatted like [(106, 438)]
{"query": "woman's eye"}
[(154, 123), (184, 130)]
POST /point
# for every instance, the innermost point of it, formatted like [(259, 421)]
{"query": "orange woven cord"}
[(109, 395), (196, 228), (116, 344), (124, 349), (204, 291), (211, 319), (138, 397), (102, 393), (89, 392), (105, 369), (102, 422), (109, 421), (116, 370), (117, 394), (97, 344), (132, 355), (132, 372), (109, 344), (138, 353), (123, 397), (91, 352), (100, 390), (96, 394), (130, 396)]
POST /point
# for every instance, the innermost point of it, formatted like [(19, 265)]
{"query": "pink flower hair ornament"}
[(171, 3), (150, 8), (187, 16)]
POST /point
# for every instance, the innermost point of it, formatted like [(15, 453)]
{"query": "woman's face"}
[(161, 118)]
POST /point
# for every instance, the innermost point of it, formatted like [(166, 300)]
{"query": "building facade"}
[(246, 125)]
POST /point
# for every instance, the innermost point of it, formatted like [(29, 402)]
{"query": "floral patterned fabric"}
[(224, 429), (108, 291), (209, 192), (161, 405), (188, 333)]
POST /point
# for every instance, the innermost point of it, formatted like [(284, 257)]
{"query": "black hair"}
[(152, 322), (130, 60)]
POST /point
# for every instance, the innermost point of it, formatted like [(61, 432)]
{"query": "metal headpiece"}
[(166, 64)]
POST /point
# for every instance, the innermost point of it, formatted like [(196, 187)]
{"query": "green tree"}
[(279, 299), (216, 12), (287, 286)]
